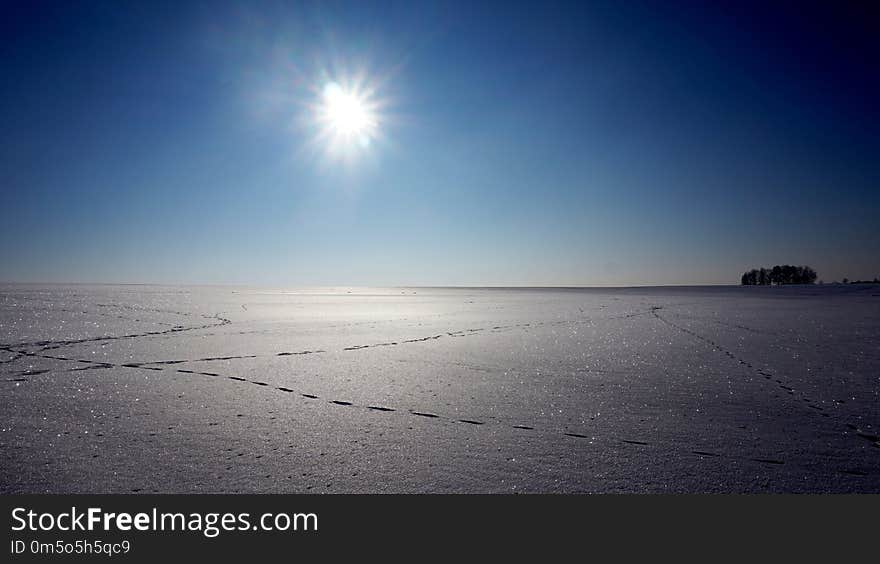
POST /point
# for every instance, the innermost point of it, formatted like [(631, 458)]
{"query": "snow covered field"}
[(218, 389)]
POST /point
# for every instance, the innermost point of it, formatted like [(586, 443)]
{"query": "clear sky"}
[(591, 143)]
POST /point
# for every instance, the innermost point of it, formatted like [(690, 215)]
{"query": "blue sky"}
[(518, 144)]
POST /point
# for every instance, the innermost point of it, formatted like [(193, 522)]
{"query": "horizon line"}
[(425, 286)]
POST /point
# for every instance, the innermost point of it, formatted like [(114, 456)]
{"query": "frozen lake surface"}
[(219, 389)]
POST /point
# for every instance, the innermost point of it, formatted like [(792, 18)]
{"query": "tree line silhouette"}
[(779, 275)]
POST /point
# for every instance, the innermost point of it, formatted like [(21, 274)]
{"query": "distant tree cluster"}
[(779, 275), (876, 280)]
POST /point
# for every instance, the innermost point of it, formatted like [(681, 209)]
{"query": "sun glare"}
[(346, 117), (344, 112)]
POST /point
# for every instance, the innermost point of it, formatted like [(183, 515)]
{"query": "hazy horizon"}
[(405, 286), (437, 144)]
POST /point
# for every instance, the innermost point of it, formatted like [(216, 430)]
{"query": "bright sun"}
[(346, 117), (344, 111)]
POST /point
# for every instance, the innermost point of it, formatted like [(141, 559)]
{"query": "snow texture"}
[(370, 390)]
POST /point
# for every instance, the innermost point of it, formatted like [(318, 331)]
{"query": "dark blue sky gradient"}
[(535, 143)]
